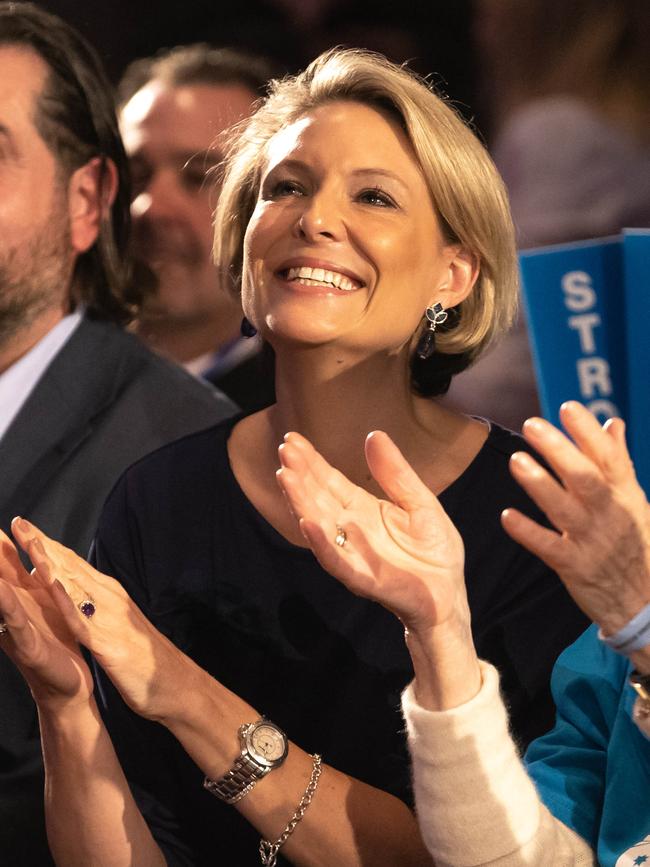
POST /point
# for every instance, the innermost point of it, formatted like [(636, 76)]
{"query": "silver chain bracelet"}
[(269, 851)]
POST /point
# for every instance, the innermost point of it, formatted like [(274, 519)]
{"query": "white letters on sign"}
[(594, 377)]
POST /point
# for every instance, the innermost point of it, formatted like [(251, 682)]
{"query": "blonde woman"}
[(370, 238)]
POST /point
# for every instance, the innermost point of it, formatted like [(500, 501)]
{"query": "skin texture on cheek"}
[(36, 250), (35, 275)]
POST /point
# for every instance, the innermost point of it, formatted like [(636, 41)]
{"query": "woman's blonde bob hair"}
[(466, 190)]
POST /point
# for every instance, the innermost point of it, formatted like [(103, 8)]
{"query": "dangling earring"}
[(247, 329), (435, 316)]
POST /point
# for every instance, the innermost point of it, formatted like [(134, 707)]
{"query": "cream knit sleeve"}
[(475, 802)]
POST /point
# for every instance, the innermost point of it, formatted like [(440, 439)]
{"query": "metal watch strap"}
[(238, 781)]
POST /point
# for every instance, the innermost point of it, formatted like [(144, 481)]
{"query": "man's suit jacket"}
[(103, 403)]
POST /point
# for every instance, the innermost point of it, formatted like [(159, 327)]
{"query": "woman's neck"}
[(335, 400)]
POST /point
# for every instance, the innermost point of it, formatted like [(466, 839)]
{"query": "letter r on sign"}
[(594, 378)]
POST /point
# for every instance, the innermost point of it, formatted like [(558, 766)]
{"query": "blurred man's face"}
[(36, 255), (170, 134)]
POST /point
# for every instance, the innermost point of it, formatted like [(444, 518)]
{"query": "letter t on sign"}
[(584, 324)]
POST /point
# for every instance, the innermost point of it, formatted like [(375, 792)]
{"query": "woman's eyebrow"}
[(386, 173), (290, 163)]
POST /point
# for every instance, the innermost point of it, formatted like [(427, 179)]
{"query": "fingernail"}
[(23, 525), (533, 425), (521, 459)]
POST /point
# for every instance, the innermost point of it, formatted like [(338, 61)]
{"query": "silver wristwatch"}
[(264, 747)]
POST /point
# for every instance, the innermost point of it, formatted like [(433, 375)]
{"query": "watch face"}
[(268, 743)]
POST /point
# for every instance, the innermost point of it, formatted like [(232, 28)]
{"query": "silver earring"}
[(435, 316)]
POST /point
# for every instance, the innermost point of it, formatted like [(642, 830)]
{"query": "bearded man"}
[(80, 400)]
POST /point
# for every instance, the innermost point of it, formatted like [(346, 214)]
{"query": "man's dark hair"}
[(198, 63), (75, 117)]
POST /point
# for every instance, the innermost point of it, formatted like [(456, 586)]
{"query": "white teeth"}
[(319, 276)]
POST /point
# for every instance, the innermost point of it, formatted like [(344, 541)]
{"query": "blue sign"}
[(588, 311), (575, 306), (636, 269)]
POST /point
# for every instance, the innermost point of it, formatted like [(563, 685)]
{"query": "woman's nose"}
[(321, 219)]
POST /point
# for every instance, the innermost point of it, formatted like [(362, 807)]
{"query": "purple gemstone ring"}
[(87, 608)]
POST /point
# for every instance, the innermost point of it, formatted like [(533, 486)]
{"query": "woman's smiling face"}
[(344, 244)]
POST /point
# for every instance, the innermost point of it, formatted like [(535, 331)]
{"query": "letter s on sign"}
[(579, 294)]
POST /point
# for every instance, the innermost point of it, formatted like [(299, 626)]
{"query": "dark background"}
[(433, 36)]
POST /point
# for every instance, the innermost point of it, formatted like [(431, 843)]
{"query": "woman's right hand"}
[(150, 673), (37, 638)]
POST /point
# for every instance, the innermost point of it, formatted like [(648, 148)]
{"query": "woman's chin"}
[(302, 331)]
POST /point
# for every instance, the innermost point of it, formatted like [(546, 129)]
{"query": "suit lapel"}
[(85, 377)]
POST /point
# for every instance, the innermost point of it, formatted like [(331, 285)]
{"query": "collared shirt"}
[(229, 356), (19, 380)]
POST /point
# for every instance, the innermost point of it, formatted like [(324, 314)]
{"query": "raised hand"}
[(403, 552), (601, 549), (99, 613), (37, 638)]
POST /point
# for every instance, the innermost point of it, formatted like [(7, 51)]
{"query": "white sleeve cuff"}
[(474, 799)]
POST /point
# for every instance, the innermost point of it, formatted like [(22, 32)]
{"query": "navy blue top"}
[(264, 618)]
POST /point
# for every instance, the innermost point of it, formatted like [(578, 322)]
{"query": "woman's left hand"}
[(145, 666), (403, 552)]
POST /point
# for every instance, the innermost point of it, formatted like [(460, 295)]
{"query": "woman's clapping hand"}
[(403, 551), (130, 650), (38, 639)]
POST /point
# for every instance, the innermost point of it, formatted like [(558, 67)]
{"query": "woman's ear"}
[(461, 275), (91, 192)]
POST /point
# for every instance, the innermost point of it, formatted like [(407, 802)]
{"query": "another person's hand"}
[(601, 549), (37, 638), (143, 664), (403, 552)]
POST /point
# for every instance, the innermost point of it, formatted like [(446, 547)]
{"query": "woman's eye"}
[(285, 188), (376, 197)]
